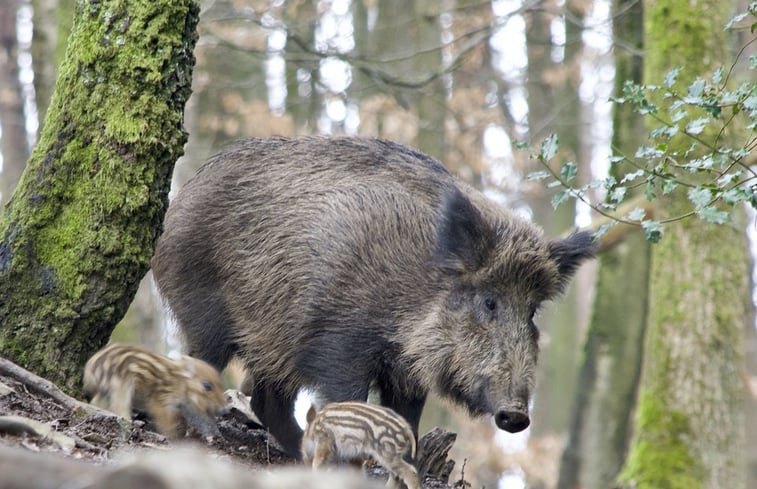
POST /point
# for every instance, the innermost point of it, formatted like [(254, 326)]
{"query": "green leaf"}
[(671, 76), (538, 175), (712, 214), (750, 103), (697, 126), (717, 77), (549, 148), (602, 230), (753, 61), (637, 214), (568, 171), (678, 115), (668, 185), (736, 195), (618, 194), (630, 177), (521, 145), (734, 20), (696, 89), (560, 197), (652, 231), (616, 159), (700, 197), (728, 178), (648, 153), (649, 190)]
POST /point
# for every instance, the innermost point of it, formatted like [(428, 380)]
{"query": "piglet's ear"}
[(464, 239), (310, 416), (570, 252)]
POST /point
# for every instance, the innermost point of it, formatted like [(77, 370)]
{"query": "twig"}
[(43, 386)]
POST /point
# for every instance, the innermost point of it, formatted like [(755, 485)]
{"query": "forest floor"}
[(45, 436)]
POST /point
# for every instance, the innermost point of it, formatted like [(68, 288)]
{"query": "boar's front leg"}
[(275, 409), (408, 406)]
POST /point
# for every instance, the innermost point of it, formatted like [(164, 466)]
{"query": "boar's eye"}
[(490, 304), (207, 386)]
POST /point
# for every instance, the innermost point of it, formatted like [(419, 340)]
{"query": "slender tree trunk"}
[(79, 232), (609, 373), (52, 25), (13, 145), (689, 426), (554, 104), (403, 41)]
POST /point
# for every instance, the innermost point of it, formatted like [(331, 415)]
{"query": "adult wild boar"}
[(340, 263)]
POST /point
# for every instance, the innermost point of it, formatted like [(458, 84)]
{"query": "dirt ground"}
[(86, 434)]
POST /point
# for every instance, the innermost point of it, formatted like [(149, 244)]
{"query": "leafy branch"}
[(685, 148)]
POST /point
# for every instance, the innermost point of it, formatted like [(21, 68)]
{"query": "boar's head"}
[(479, 344)]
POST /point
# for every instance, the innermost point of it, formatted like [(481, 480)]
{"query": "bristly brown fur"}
[(337, 263), (177, 394)]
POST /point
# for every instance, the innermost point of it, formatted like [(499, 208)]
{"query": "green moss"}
[(661, 457)]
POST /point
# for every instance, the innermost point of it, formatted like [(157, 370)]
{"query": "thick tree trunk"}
[(604, 400), (689, 427), (79, 232)]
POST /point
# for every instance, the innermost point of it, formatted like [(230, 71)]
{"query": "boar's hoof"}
[(511, 421)]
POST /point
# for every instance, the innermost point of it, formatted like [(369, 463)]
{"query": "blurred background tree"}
[(465, 81)]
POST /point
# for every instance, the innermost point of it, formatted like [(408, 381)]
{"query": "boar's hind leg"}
[(275, 410)]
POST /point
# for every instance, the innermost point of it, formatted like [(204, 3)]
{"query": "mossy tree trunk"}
[(609, 373), (688, 430), (78, 233)]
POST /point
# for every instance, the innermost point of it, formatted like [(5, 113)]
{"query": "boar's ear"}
[(570, 252), (464, 239)]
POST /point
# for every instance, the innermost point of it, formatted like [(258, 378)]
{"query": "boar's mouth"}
[(473, 397)]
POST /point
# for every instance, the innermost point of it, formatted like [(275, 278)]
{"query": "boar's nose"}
[(511, 421)]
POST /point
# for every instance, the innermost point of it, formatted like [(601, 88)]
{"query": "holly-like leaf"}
[(560, 197), (649, 190), (568, 171), (696, 90), (734, 20), (668, 185), (714, 215), (717, 77), (700, 197), (652, 231), (618, 194), (637, 214), (697, 126), (672, 76), (630, 177), (602, 230), (538, 175), (549, 148)]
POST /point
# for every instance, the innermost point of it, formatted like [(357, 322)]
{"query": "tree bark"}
[(689, 426), (79, 232)]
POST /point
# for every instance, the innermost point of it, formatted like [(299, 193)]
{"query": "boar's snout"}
[(511, 421)]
